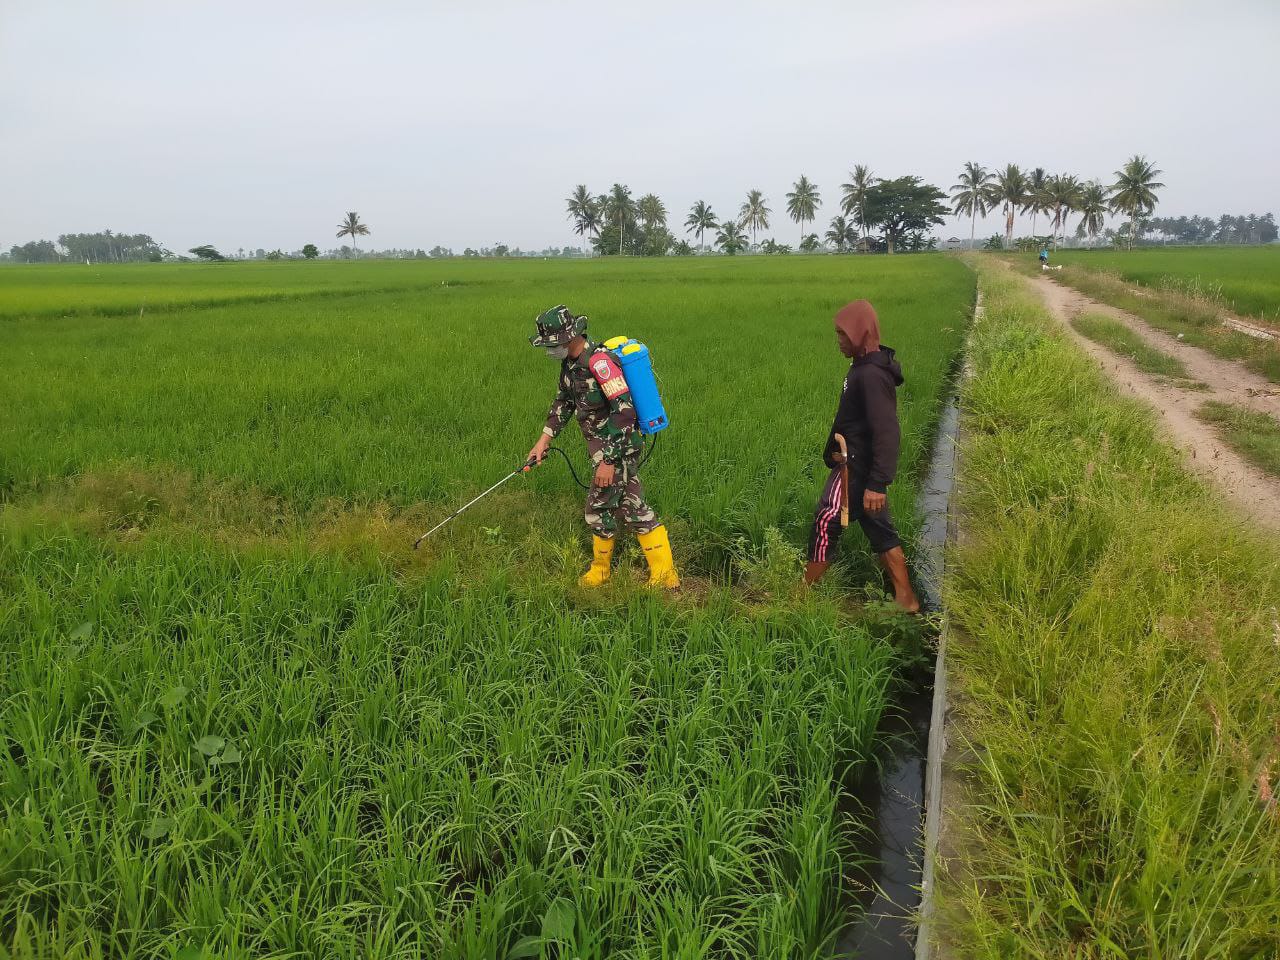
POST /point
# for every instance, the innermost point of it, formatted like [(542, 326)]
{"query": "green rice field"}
[(1245, 279), (240, 718)]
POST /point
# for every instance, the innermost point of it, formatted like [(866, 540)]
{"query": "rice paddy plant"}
[(45, 290), (238, 718), (1116, 673), (399, 399), (266, 756)]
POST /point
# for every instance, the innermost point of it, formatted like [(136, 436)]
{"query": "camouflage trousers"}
[(622, 500)]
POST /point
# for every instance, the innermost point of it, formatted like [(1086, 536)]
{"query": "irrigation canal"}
[(892, 794)]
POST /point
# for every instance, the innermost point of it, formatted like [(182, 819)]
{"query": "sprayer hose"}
[(650, 447)]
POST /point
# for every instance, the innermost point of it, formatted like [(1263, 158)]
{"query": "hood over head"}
[(886, 359), (858, 322)]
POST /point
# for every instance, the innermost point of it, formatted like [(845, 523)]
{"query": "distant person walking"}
[(1044, 256), (862, 453)]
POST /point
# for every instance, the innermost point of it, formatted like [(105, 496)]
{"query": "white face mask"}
[(557, 353)]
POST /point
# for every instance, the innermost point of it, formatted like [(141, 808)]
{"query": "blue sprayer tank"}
[(638, 370)]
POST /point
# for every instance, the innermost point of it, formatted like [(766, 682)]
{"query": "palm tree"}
[(1011, 193), (841, 234), (701, 218), (754, 215), (652, 211), (352, 227), (583, 211), (1093, 206), (1063, 195), (803, 202), (854, 194), (973, 194), (1134, 192), (730, 238), (620, 208), (1036, 204)]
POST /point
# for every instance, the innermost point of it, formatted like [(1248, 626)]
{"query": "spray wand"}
[(524, 468)]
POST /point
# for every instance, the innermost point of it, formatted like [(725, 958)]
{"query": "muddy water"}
[(890, 799)]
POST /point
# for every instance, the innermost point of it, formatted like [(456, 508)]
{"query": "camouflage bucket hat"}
[(557, 326)]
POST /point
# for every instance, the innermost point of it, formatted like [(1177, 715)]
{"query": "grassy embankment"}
[(1172, 294), (234, 719), (1117, 671)]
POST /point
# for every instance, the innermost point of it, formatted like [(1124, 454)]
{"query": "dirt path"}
[(1227, 380), (1257, 494)]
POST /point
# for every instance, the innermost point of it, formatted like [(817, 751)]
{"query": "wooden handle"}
[(844, 481)]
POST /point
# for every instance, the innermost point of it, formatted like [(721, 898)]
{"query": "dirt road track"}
[(1255, 493)]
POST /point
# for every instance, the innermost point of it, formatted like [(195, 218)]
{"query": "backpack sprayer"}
[(651, 418)]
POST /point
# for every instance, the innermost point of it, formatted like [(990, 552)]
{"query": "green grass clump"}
[(1253, 434), (1117, 673), (1122, 341), (292, 756)]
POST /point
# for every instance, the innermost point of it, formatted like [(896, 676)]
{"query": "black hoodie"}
[(867, 418)]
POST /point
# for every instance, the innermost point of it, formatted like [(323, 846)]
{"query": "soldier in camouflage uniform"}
[(593, 389)]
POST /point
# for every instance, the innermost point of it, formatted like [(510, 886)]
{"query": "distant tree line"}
[(1013, 192), (1249, 228), (903, 211), (102, 247)]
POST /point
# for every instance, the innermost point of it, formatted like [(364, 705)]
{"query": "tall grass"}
[(1118, 674)]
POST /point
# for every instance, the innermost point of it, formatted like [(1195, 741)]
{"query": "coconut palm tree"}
[(701, 219), (1093, 207), (841, 234), (620, 208), (652, 211), (1134, 192), (754, 214), (352, 227), (973, 194), (583, 211), (1036, 203), (853, 197), (803, 202), (1063, 195), (1010, 192), (730, 238)]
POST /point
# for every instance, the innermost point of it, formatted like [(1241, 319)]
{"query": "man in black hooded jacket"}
[(867, 420)]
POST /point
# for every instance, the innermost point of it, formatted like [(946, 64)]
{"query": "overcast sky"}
[(468, 123)]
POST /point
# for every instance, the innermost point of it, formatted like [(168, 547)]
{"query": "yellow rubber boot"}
[(657, 551), (597, 574)]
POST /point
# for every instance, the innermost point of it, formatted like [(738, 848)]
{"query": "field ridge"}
[(1116, 632)]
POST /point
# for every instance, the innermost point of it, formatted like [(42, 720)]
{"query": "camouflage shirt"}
[(593, 389)]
